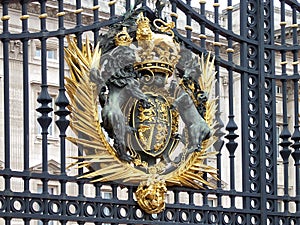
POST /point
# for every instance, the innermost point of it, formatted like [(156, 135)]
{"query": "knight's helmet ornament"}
[(159, 135)]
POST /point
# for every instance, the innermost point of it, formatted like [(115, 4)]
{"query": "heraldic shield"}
[(142, 110), (152, 124)]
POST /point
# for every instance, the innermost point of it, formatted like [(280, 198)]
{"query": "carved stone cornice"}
[(52, 10)]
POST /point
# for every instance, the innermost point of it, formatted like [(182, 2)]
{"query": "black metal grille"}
[(257, 64)]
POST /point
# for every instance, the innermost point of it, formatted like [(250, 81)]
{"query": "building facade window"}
[(278, 89), (51, 53)]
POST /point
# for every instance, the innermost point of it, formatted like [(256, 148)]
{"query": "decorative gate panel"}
[(256, 49)]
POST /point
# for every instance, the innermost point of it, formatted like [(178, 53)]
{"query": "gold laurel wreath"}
[(98, 153)]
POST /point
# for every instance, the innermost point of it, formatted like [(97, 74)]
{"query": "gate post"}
[(258, 109)]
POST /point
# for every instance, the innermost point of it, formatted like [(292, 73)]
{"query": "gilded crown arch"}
[(156, 120)]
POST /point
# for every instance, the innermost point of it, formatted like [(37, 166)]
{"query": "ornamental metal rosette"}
[(142, 110)]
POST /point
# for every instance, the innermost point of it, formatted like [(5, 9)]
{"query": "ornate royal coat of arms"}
[(142, 111)]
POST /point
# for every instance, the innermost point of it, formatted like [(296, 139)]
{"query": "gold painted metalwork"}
[(217, 44), (144, 32), (175, 121), (202, 36), (6, 17), (187, 27), (282, 23), (165, 27), (77, 11), (24, 17), (158, 52), (96, 7), (112, 2), (151, 180), (60, 14), (230, 50), (151, 195), (174, 14), (283, 63), (84, 118), (43, 16), (152, 124), (295, 25), (160, 138), (123, 38)]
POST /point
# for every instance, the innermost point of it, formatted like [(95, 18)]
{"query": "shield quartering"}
[(153, 125)]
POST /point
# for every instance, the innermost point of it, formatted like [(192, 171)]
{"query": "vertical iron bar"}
[(268, 111), (285, 134), (96, 20), (5, 17), (26, 137), (80, 183), (251, 131), (188, 26), (24, 19), (261, 117), (112, 6), (285, 152), (79, 22), (176, 196), (44, 99), (270, 115), (173, 13), (245, 109), (202, 25), (266, 67), (219, 143), (191, 197), (244, 99), (231, 126), (115, 198), (128, 5), (296, 134), (97, 186), (62, 102)]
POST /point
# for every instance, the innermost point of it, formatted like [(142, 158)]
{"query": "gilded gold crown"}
[(157, 52), (122, 38)]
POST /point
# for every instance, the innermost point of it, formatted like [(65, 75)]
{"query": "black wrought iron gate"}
[(256, 44)]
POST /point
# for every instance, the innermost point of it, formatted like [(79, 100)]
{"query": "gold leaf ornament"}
[(101, 158), (151, 195)]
